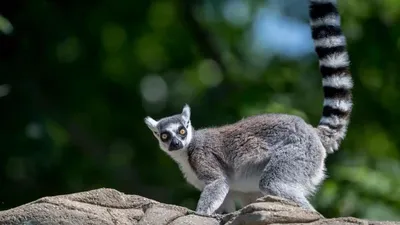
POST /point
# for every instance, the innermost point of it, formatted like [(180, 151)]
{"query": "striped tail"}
[(334, 64)]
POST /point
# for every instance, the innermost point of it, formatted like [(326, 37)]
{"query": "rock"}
[(108, 206)]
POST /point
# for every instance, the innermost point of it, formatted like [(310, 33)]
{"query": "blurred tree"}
[(78, 77)]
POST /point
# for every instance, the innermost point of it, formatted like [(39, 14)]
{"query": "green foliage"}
[(77, 79)]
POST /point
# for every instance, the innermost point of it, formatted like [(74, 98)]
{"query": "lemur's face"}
[(173, 133)]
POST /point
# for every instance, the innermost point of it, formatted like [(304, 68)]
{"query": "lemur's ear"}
[(186, 113), (151, 123)]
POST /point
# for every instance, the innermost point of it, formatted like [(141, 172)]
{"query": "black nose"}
[(175, 144)]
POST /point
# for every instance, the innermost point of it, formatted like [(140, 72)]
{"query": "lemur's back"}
[(264, 132)]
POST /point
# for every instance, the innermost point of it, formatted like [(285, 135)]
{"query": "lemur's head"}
[(174, 132)]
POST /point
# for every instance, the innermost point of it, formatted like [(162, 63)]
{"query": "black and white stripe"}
[(330, 46)]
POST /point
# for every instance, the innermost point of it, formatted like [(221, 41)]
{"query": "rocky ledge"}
[(108, 206)]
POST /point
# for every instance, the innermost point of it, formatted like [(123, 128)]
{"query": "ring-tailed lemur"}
[(275, 154)]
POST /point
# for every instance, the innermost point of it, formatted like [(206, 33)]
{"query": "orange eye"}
[(182, 131), (164, 136)]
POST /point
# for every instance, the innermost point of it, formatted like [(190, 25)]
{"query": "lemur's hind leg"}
[(277, 188), (293, 173)]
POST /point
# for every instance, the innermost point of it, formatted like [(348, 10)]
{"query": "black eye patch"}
[(165, 136), (182, 131)]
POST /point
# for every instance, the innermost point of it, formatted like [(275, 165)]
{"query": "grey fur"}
[(275, 154)]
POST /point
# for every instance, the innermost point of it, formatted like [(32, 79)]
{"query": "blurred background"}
[(78, 77)]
